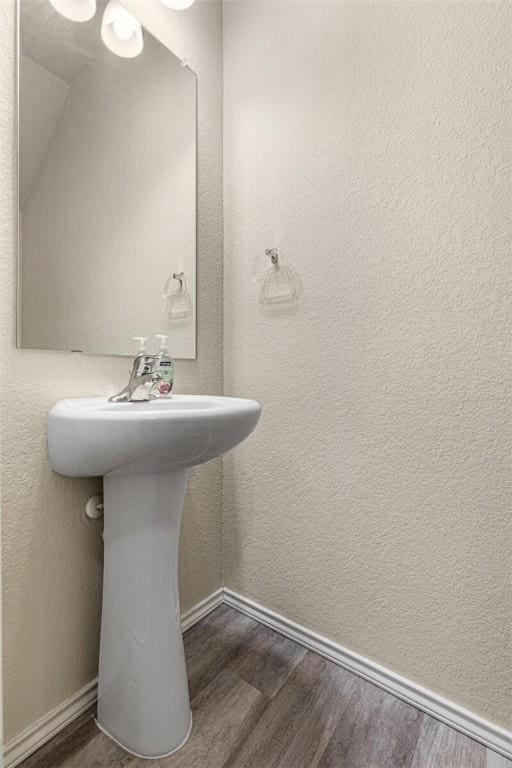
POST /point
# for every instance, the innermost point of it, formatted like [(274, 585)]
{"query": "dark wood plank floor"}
[(261, 701)]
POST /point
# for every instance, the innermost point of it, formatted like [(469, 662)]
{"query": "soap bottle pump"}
[(164, 365), (142, 345)]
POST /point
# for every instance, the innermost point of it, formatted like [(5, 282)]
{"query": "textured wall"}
[(371, 142), (51, 560)]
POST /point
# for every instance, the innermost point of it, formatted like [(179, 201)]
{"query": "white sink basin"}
[(91, 436), (145, 451)]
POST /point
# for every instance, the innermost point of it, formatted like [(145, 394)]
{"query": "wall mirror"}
[(107, 188)]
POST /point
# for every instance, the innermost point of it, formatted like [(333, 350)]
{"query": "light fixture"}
[(120, 31), (177, 5), (76, 10)]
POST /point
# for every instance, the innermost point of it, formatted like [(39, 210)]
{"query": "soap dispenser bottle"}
[(142, 345), (164, 365)]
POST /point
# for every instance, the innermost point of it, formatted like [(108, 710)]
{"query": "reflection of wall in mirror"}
[(111, 208), (44, 95)]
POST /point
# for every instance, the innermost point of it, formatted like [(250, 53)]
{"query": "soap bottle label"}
[(166, 371)]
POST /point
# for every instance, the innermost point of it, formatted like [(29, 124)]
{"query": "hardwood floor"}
[(260, 700)]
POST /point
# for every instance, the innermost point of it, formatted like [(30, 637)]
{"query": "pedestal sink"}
[(145, 451)]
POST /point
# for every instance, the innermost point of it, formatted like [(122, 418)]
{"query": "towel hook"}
[(273, 254), (180, 277)]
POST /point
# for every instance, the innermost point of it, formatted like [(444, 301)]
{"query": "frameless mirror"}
[(107, 189)]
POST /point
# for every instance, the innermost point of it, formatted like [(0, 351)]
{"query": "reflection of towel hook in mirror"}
[(180, 277), (170, 292), (177, 300)]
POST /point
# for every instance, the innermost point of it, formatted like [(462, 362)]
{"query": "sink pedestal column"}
[(143, 700)]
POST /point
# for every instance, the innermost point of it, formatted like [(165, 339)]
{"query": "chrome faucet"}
[(142, 378)]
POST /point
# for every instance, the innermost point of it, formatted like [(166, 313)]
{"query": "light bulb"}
[(177, 5), (120, 31), (123, 27), (76, 10)]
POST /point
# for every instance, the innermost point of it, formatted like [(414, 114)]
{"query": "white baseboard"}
[(44, 729), (201, 609), (492, 736), (48, 726), (487, 733)]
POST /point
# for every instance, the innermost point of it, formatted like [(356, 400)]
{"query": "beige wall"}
[(371, 142), (51, 560)]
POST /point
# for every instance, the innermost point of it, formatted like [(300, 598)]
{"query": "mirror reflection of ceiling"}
[(68, 46), (62, 52)]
